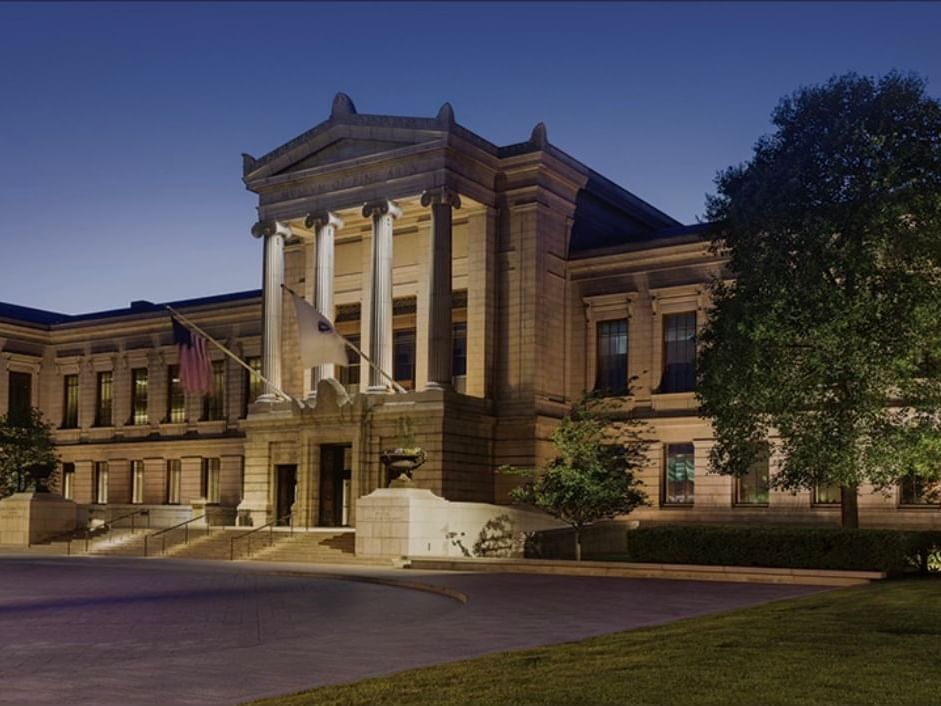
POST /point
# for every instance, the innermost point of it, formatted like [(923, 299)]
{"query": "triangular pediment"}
[(343, 150)]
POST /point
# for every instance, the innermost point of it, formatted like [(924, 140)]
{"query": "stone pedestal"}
[(392, 523), (29, 518), (214, 514)]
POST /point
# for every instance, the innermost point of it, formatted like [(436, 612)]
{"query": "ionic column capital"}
[(319, 219), (375, 209), (441, 195), (263, 229)]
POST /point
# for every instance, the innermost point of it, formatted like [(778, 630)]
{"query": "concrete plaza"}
[(116, 631)]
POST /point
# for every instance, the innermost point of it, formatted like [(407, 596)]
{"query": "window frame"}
[(176, 396), (214, 402), (136, 484), (140, 396), (689, 498), (104, 408), (174, 481), (71, 387), (600, 355), (101, 485), (211, 479), (690, 379), (738, 500)]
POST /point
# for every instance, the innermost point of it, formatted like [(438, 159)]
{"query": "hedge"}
[(892, 551)]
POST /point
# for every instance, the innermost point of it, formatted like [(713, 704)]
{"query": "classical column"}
[(274, 233), (383, 214), (325, 225), (441, 200)]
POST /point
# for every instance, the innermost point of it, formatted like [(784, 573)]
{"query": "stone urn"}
[(400, 463)]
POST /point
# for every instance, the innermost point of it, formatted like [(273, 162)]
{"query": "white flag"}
[(319, 341)]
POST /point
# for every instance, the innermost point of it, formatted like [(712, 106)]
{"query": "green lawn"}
[(875, 644)]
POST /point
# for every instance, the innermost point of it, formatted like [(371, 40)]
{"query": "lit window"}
[(174, 478), (176, 399), (101, 482), (916, 490), (103, 399), (70, 402), (679, 474), (611, 337), (139, 396), (752, 488), (827, 494), (459, 349), (137, 482), (210, 482), (253, 385), (348, 375), (68, 481), (214, 403), (679, 353)]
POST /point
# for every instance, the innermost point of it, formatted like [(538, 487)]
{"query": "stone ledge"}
[(685, 572)]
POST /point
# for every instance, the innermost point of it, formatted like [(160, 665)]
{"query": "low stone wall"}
[(398, 522), (29, 518)]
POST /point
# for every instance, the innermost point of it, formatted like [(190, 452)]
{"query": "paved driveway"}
[(123, 632)]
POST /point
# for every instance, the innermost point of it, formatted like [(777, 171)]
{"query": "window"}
[(403, 357), (174, 477), (176, 400), (827, 494), (137, 482), (214, 403), (458, 356), (253, 385), (68, 481), (139, 396), (752, 488), (348, 375), (679, 353), (679, 475), (19, 397), (103, 399), (70, 402), (101, 482), (915, 490), (210, 486), (611, 337)]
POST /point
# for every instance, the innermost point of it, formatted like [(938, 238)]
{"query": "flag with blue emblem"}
[(319, 341)]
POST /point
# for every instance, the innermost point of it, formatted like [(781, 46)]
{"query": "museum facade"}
[(495, 284)]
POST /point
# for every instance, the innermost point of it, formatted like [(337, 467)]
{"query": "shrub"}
[(892, 551)]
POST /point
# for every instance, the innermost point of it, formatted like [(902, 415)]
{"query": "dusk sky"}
[(122, 124)]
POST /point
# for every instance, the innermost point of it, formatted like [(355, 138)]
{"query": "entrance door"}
[(335, 485), (285, 486)]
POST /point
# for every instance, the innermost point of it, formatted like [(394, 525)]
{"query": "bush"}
[(892, 551)]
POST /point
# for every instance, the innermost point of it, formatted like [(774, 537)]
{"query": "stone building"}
[(495, 283)]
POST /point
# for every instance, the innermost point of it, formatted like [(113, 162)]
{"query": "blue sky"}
[(122, 124)]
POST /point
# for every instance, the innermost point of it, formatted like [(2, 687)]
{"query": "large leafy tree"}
[(27, 453), (593, 476), (828, 337)]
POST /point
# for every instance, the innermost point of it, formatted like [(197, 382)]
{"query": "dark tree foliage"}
[(592, 478), (28, 457), (829, 337)]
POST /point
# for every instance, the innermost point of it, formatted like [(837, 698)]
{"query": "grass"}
[(874, 644)]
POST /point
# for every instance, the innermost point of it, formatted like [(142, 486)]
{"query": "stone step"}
[(214, 545), (313, 547)]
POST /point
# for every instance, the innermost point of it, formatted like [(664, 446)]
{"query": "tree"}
[(28, 457), (592, 478), (830, 333)]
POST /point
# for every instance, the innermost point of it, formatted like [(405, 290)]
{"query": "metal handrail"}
[(163, 534), (248, 535), (144, 512)]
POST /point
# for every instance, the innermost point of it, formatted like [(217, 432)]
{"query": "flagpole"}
[(229, 353), (396, 386)]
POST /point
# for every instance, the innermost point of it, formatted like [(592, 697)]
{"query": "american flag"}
[(193, 355)]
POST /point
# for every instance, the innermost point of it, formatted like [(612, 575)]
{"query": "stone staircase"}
[(317, 547), (214, 545), (121, 542)]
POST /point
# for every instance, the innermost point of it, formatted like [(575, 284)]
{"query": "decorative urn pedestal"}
[(399, 464)]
